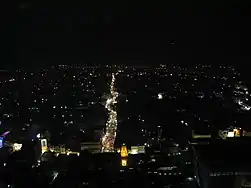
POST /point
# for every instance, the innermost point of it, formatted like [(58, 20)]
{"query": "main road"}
[(109, 137)]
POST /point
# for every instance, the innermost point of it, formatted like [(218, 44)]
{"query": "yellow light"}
[(44, 146), (123, 151), (123, 162), (237, 132)]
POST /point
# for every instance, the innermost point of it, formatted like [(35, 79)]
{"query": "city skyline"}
[(99, 94)]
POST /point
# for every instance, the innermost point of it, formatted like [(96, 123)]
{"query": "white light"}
[(160, 96), (12, 80), (134, 151), (38, 135), (17, 147), (246, 108), (230, 134), (190, 179)]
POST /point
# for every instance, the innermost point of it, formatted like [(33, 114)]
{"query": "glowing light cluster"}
[(44, 146), (123, 162), (123, 151), (160, 96), (17, 146), (109, 137)]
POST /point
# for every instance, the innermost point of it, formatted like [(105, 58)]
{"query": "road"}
[(109, 137), (196, 165)]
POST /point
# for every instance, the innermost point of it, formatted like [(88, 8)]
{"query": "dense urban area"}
[(123, 126)]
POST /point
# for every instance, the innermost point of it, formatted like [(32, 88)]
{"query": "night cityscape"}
[(87, 102)]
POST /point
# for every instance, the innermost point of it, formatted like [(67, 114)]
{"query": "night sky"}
[(123, 33)]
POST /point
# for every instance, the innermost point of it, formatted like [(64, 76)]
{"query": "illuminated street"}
[(109, 137)]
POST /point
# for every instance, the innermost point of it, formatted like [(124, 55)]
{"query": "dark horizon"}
[(188, 34)]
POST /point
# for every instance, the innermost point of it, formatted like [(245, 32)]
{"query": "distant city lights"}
[(17, 146), (109, 137), (123, 162), (230, 134), (160, 96)]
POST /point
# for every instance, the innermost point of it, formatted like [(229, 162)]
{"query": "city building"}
[(44, 146), (93, 147)]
